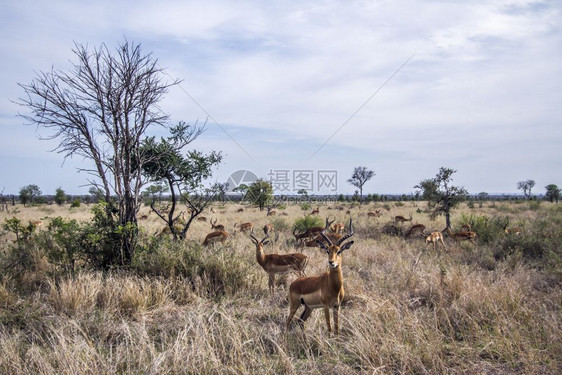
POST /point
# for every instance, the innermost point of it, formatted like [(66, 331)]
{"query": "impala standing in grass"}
[(324, 291), (275, 264)]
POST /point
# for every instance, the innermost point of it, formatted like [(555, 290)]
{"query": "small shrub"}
[(75, 203), (309, 221), (305, 206)]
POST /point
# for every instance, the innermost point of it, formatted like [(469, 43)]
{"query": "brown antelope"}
[(275, 264), (202, 218), (401, 219), (35, 223), (311, 232), (466, 228), (461, 235), (215, 226), (268, 228), (435, 237), (271, 212), (415, 229), (334, 237), (316, 211), (377, 213), (245, 226), (216, 236), (337, 228), (324, 291), (240, 210), (514, 231)]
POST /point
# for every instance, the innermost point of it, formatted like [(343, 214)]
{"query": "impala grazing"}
[(461, 235), (324, 291), (216, 236), (401, 219), (268, 228), (415, 229), (377, 213), (245, 226), (435, 237), (311, 232), (275, 264), (316, 211)]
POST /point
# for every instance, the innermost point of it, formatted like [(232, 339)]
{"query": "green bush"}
[(75, 203), (306, 206), (309, 221)]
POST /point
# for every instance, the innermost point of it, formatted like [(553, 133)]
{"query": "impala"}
[(377, 213), (240, 210), (466, 228), (201, 218), (311, 232), (324, 291), (268, 228), (415, 229), (334, 237), (245, 226), (435, 237), (316, 211), (216, 236), (270, 212), (337, 228), (275, 264), (514, 231), (402, 219), (215, 226), (461, 235)]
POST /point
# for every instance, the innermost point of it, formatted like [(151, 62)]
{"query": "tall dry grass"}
[(182, 308)]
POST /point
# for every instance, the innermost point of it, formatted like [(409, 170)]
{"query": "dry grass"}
[(449, 314)]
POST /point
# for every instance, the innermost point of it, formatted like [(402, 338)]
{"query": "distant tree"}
[(360, 176), (96, 194), (552, 193), (482, 196), (101, 109), (60, 196), (526, 187), (27, 193), (303, 193), (155, 191), (440, 195), (260, 193), (183, 175)]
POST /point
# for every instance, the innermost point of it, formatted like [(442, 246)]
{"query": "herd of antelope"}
[(326, 290)]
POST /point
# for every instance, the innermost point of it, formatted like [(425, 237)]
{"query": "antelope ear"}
[(265, 242), (346, 246)]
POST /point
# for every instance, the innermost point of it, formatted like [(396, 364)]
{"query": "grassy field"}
[(492, 307)]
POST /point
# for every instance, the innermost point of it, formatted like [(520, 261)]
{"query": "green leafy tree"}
[(28, 193), (526, 187), (260, 193), (183, 175), (101, 110), (360, 176), (60, 196), (552, 193), (440, 195)]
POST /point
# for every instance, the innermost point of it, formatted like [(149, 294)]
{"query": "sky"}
[(303, 92)]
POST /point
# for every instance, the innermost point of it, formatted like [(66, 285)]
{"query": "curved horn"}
[(328, 240), (265, 238), (347, 235), (254, 239)]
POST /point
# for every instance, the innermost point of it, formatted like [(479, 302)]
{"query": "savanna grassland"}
[(489, 307)]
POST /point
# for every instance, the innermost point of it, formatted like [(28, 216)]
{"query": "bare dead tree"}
[(100, 110)]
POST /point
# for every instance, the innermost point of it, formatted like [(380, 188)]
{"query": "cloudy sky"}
[(401, 87)]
